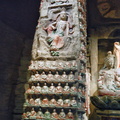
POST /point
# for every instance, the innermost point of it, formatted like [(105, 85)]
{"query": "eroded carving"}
[(55, 36), (53, 84), (108, 8), (109, 75)]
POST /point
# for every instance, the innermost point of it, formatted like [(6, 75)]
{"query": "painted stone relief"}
[(56, 35), (109, 82), (109, 8), (56, 86)]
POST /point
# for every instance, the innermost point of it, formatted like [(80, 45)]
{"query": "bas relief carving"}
[(109, 82), (55, 34), (57, 2), (109, 8), (109, 61), (109, 75), (57, 61)]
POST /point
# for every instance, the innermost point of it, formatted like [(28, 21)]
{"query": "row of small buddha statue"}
[(52, 102), (49, 116), (83, 46), (52, 89), (82, 76), (81, 90), (53, 65), (82, 56), (50, 77)]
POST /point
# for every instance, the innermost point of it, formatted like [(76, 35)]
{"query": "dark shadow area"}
[(18, 20)]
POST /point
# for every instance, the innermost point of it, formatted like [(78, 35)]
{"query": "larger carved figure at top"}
[(56, 35), (57, 30)]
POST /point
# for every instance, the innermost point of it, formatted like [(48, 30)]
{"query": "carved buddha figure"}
[(71, 76), (32, 65), (109, 61), (59, 29), (50, 76), (35, 65), (40, 115), (73, 89), (66, 89), (60, 65), (45, 101), (32, 101), (59, 89), (74, 64), (70, 115), (79, 77), (47, 115), (73, 102), (32, 78), (26, 115), (54, 114), (53, 102), (67, 102), (43, 76), (80, 102), (37, 101), (80, 89), (83, 90), (54, 64), (82, 67), (47, 64), (83, 46), (60, 102), (41, 64), (38, 88), (64, 76), (33, 114), (81, 55), (33, 88), (57, 76), (45, 88), (29, 91), (62, 114), (67, 65), (52, 88), (37, 76)]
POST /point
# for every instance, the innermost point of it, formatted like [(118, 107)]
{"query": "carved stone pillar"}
[(58, 67)]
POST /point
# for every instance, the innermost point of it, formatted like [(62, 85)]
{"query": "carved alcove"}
[(105, 45)]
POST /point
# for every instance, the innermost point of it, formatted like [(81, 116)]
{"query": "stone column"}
[(58, 64)]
